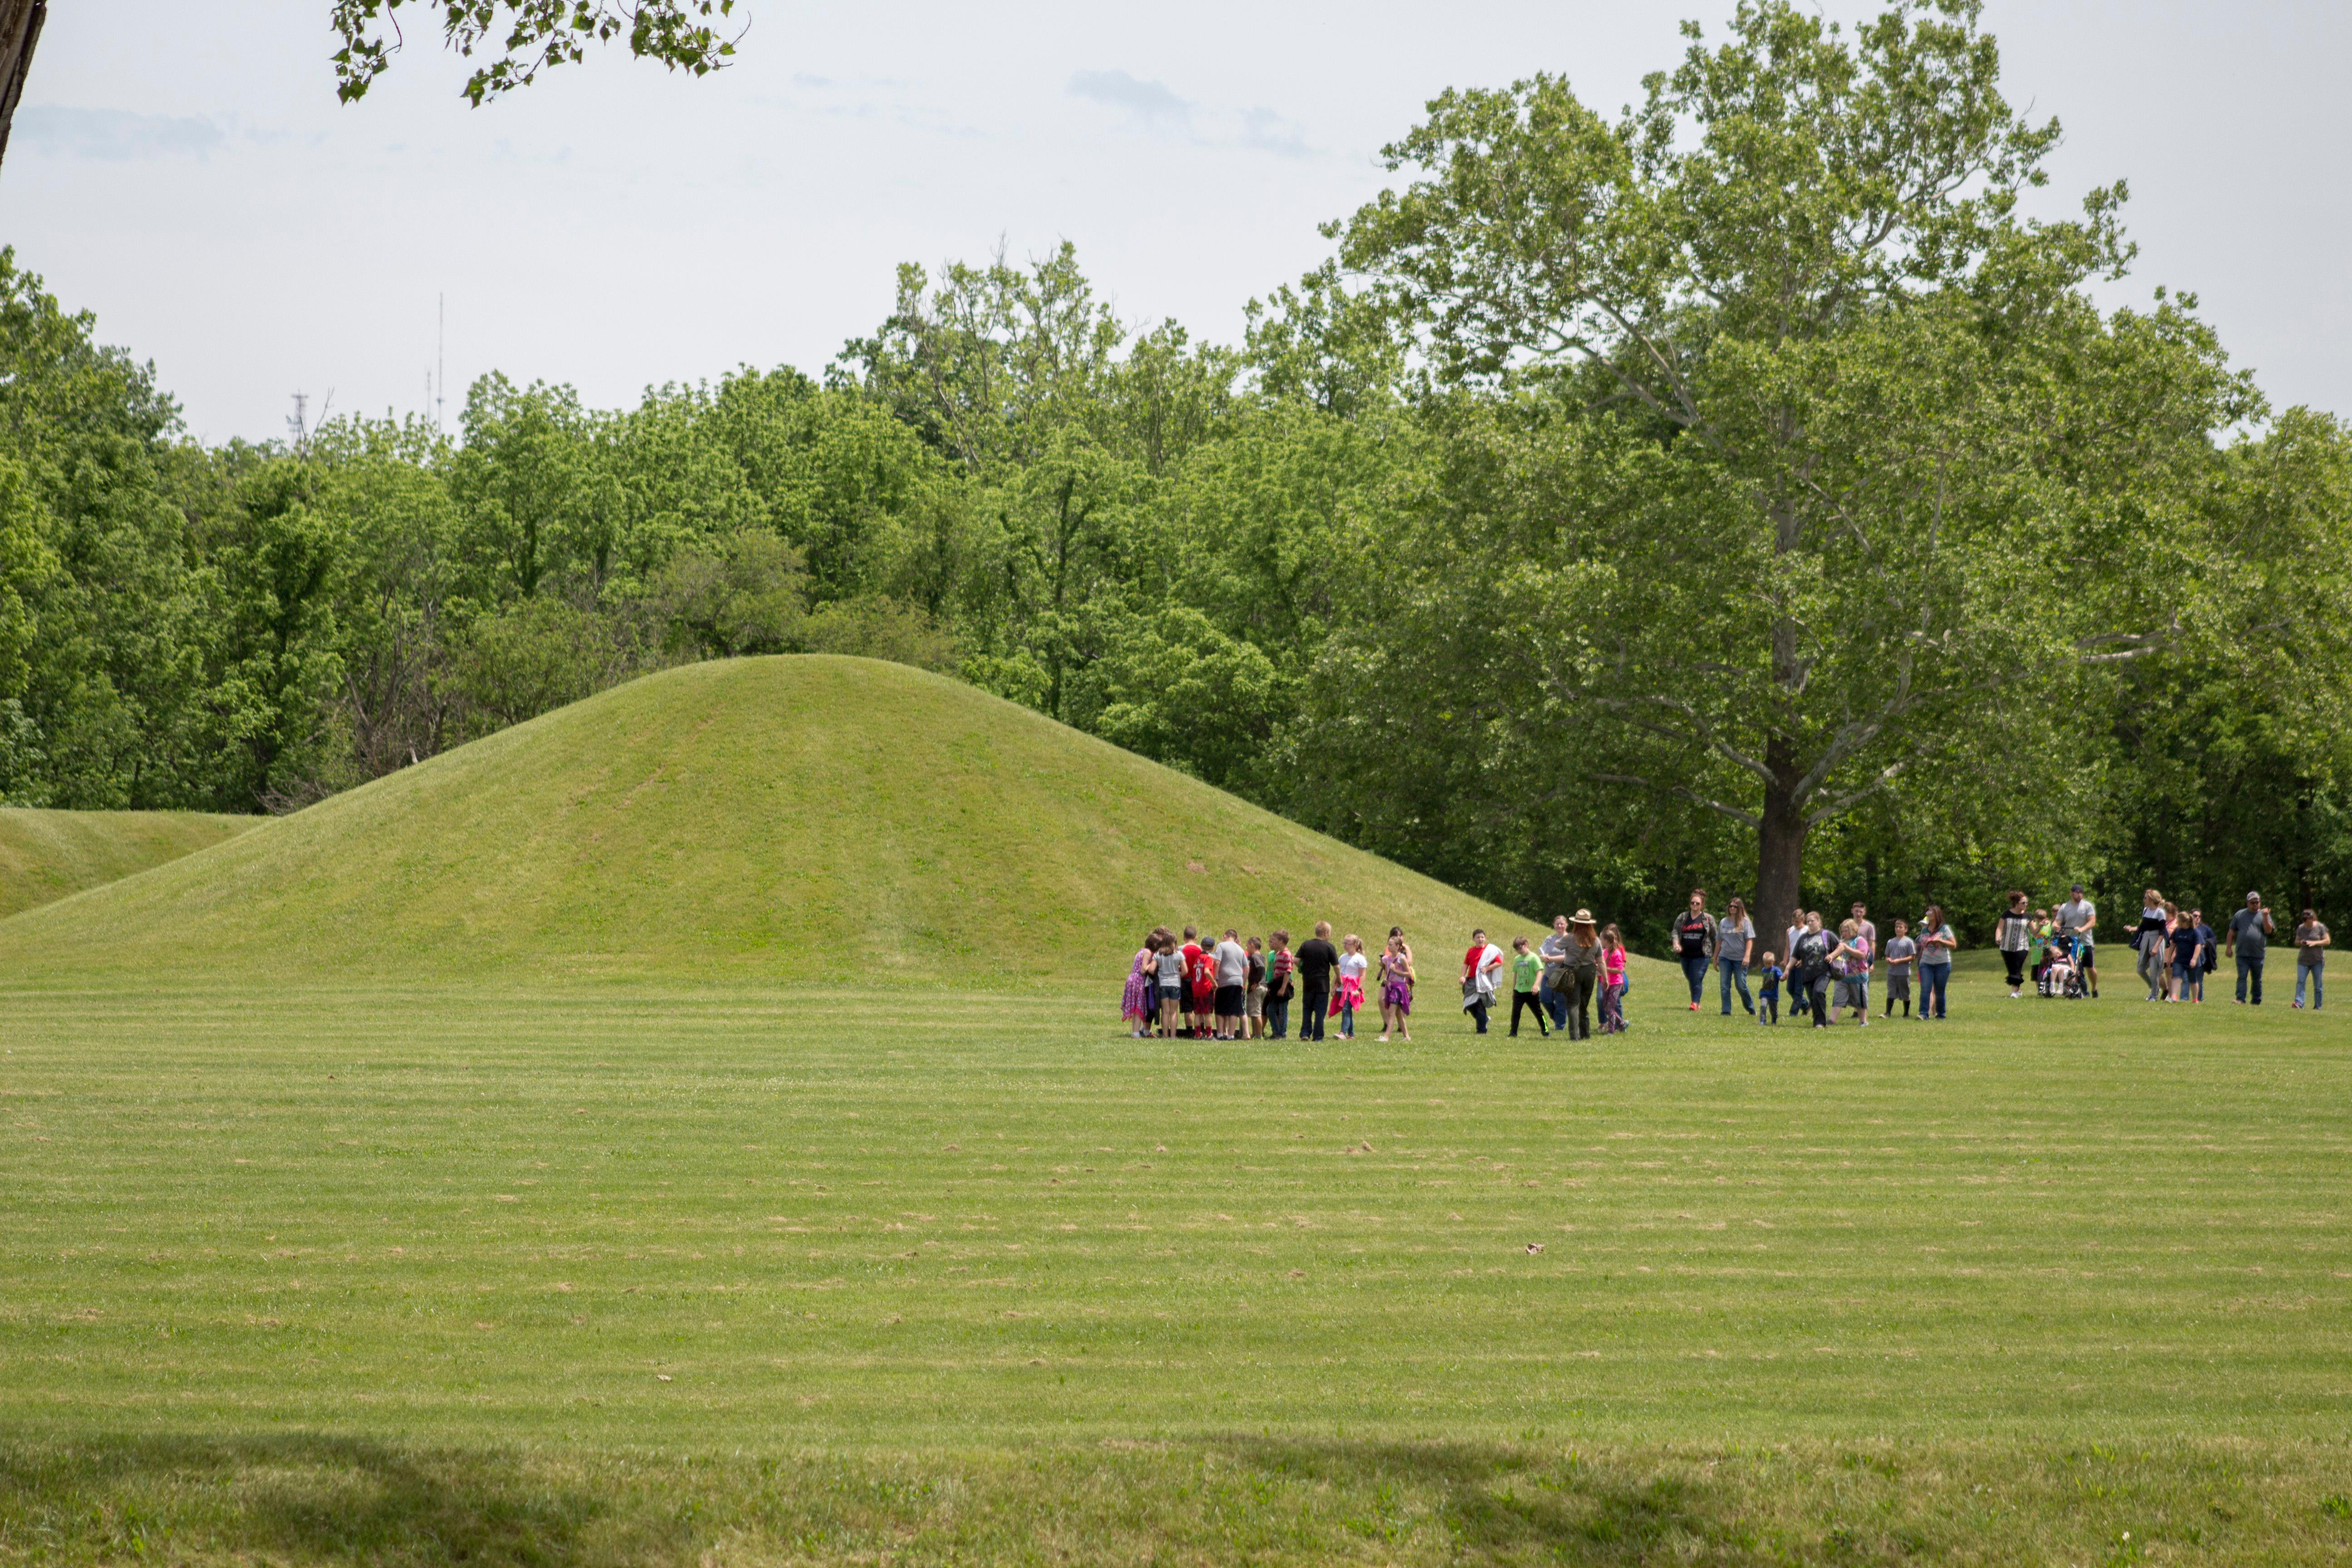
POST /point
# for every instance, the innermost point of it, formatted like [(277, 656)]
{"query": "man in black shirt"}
[(1316, 959)]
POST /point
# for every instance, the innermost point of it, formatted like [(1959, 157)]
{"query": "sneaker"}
[(1384, 1039), (1693, 1006)]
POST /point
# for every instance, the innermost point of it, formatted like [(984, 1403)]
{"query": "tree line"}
[(1745, 491)]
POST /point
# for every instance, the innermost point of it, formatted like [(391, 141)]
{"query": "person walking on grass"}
[(1854, 960), (2250, 933), (1526, 974), (2148, 940), (1694, 937), (1482, 971), (1349, 999), (1902, 952), (2310, 957), (2013, 935), (1396, 990), (1936, 945), (1613, 980), (1554, 954), (1808, 970), (1316, 959), (1734, 947), (2188, 959), (1767, 992), (1582, 978), (2079, 918)]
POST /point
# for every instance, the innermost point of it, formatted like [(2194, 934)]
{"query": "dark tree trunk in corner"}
[(1779, 844), (20, 29)]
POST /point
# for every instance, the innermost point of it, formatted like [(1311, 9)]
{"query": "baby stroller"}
[(2061, 976)]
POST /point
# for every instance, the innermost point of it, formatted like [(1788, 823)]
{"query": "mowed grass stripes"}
[(926, 1216)]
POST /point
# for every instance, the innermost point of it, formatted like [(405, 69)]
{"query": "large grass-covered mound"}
[(800, 819), (47, 854)]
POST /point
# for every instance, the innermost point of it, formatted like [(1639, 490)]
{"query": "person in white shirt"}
[(2078, 918), (1482, 968)]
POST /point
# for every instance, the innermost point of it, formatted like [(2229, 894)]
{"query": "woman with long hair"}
[(1140, 1002), (1613, 980), (1937, 943), (2013, 935), (1735, 948)]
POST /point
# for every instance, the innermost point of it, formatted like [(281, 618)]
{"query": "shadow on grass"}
[(1503, 1503), (310, 1498)]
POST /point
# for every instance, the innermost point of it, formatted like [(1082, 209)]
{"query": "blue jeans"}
[(1555, 1004), (2187, 977), (1735, 971), (1695, 970), (1933, 979), (2249, 966), (2315, 972)]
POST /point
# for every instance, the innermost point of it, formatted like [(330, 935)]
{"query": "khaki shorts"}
[(1254, 1004)]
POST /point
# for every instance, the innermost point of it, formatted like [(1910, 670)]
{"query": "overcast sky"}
[(185, 171)]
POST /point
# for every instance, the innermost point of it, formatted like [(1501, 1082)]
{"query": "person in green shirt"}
[(1527, 969)]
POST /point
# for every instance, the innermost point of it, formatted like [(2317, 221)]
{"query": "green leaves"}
[(523, 37)]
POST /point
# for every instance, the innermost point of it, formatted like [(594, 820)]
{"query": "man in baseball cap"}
[(2077, 917)]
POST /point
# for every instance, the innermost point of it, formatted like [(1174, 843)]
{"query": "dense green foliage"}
[(1746, 492)]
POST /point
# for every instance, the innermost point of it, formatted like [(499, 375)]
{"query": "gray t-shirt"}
[(2075, 916), (2310, 957), (1938, 957), (1232, 963), (1172, 970), (1899, 951), (2246, 927), (1732, 937)]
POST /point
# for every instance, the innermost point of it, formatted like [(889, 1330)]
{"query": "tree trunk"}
[(20, 29), (1780, 843)]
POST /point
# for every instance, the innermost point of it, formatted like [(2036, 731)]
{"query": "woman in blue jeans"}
[(1694, 939), (1734, 945), (1936, 946)]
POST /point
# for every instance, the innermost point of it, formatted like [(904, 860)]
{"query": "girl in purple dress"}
[(1137, 1004)]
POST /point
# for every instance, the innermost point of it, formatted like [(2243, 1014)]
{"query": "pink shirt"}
[(1612, 966)]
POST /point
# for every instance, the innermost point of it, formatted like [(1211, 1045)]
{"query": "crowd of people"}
[(1234, 987)]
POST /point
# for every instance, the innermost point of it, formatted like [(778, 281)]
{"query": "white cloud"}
[(114, 135), (1150, 100)]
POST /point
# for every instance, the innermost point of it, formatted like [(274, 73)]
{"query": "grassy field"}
[(49, 855), (925, 1275)]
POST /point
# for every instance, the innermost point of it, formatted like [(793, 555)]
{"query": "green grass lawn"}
[(928, 1275)]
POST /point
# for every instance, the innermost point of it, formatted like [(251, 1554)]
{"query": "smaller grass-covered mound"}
[(809, 820), (47, 855)]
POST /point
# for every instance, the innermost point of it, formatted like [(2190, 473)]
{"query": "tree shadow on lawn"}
[(316, 1498)]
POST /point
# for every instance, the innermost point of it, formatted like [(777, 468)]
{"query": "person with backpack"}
[(1693, 938)]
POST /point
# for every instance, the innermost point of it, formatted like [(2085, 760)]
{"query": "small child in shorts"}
[(1901, 953), (1768, 998)]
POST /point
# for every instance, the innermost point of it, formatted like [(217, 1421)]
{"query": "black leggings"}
[(2016, 962), (1575, 990), (1527, 1002)]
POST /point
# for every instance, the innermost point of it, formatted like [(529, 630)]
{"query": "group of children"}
[(1235, 988)]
